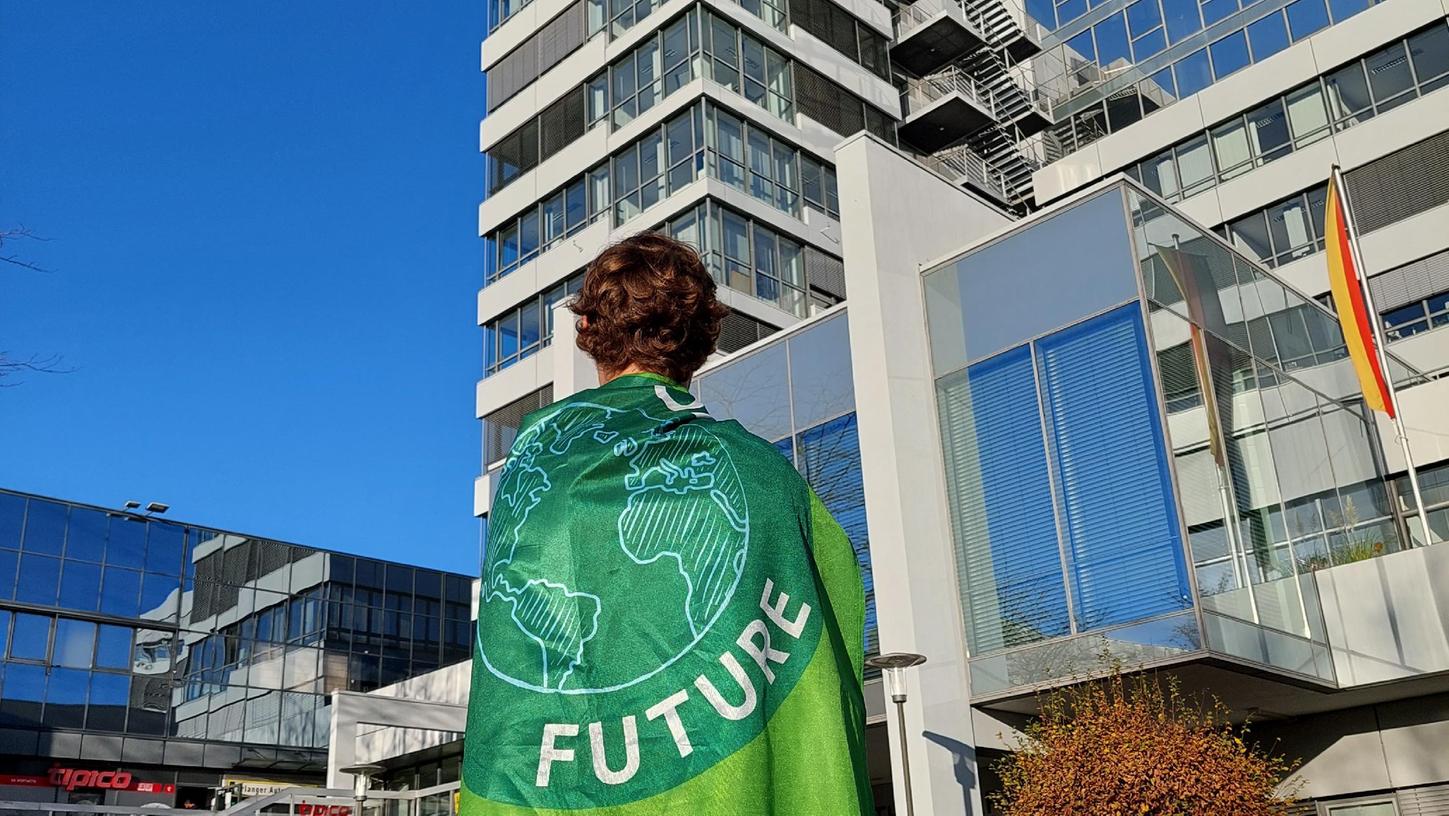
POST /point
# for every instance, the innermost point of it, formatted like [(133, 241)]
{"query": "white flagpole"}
[(1380, 344)]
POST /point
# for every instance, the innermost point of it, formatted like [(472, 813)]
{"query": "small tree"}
[(1119, 747)]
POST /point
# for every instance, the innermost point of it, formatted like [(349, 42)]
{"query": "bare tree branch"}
[(36, 363), (14, 234)]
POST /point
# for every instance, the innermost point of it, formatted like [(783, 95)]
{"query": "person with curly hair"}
[(669, 621)]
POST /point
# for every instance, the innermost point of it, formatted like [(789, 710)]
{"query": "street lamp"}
[(362, 782), (894, 666)]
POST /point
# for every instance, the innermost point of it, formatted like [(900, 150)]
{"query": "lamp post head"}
[(893, 666), (362, 779)]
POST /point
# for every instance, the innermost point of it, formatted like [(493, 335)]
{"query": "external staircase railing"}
[(920, 93)]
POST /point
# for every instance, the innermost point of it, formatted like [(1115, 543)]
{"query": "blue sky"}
[(264, 259)]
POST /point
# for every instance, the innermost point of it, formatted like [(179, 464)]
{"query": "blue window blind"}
[(1006, 539), (1118, 510), (830, 461)]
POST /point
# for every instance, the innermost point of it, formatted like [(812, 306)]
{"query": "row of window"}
[(1197, 70), (50, 528), (749, 257), (1420, 316), (75, 644), (698, 43), (702, 139), (38, 526), (738, 251), (520, 332), (32, 696), (1352, 94)]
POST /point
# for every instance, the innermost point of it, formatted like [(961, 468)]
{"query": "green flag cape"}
[(669, 622)]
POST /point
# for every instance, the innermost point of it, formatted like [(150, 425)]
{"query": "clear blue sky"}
[(264, 255)]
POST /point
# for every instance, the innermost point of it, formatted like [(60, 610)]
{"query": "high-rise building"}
[(716, 122)]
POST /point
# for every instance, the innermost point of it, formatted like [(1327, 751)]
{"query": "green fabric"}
[(669, 622)]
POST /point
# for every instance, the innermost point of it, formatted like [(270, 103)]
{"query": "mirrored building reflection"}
[(171, 650)]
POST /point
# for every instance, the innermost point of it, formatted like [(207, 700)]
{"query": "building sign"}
[(309, 809), (255, 787), (71, 779)]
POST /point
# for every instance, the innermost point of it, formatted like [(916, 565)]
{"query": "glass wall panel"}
[(754, 390), (974, 305), (1008, 556), (45, 527), (12, 520)]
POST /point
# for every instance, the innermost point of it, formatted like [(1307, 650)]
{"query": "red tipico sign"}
[(309, 809), (73, 778)]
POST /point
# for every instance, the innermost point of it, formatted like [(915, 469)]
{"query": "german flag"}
[(1353, 311)]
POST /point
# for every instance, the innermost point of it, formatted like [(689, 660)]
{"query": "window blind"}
[(1007, 553), (1119, 514)]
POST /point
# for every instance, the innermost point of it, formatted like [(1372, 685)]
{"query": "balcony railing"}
[(962, 164), (920, 93), (909, 18)]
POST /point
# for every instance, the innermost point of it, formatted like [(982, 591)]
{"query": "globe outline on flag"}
[(686, 460)]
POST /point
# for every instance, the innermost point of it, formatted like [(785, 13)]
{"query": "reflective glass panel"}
[(45, 527), (39, 580), (75, 641), (12, 520), (1306, 17), (80, 585), (1268, 36), (31, 637)]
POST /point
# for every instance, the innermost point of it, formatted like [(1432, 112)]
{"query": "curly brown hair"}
[(648, 301)]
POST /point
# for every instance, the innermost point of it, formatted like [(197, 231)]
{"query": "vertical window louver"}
[(1007, 552), (1118, 510)]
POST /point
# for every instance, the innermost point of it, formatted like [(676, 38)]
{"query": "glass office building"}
[(1150, 454), (798, 393), (181, 654)]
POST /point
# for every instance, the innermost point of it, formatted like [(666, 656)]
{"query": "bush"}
[(1119, 747)]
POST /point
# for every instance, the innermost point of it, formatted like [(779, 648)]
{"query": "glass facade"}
[(1335, 101), (798, 392), (1153, 470), (160, 632), (1108, 71)]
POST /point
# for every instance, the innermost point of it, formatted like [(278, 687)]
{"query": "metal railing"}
[(920, 93), (909, 18), (961, 163)]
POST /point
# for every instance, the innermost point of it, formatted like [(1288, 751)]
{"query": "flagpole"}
[(1380, 348)]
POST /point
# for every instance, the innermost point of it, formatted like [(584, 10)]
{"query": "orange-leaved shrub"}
[(1138, 747)]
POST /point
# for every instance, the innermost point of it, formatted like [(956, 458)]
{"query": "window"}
[(1112, 47), (1391, 80), (31, 638), (1230, 53), (1348, 95), (1284, 231), (1420, 316), (1268, 36), (1430, 52), (1193, 73), (1305, 17), (1181, 17), (746, 255), (1269, 132), (1307, 115)]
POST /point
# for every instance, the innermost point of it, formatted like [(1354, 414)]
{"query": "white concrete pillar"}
[(896, 217)]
